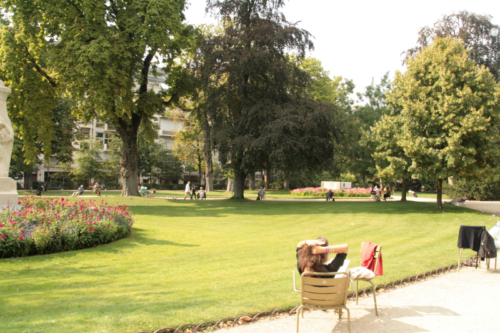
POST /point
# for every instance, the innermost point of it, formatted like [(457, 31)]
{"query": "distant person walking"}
[(193, 192), (187, 191)]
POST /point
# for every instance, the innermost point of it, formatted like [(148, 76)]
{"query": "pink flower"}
[(21, 238), (2, 237)]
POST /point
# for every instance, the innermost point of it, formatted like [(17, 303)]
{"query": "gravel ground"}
[(464, 301)]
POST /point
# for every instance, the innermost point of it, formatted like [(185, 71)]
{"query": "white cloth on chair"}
[(361, 273)]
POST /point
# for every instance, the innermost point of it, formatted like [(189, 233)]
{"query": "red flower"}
[(2, 237), (21, 238)]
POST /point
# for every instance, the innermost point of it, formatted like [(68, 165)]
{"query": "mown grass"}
[(192, 261)]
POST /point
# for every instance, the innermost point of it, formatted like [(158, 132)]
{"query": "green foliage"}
[(486, 189), (260, 115), (100, 53), (446, 112), (89, 164), (347, 177), (355, 153), (478, 34)]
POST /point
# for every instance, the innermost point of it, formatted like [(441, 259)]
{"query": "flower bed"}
[(318, 191), (46, 226)]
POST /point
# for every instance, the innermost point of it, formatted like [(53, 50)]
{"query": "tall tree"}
[(477, 33), (101, 52), (448, 109), (388, 155), (188, 147), (260, 83), (195, 81)]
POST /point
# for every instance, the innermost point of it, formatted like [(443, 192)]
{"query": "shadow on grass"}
[(200, 209)]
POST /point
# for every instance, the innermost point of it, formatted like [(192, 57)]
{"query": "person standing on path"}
[(193, 192), (188, 191)]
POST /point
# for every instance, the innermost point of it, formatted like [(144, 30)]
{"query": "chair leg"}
[(348, 320), (298, 317), (374, 297), (459, 258), (356, 292)]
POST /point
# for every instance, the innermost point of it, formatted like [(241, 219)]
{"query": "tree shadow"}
[(385, 322), (221, 208)]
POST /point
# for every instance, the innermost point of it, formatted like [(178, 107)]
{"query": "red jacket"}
[(367, 259)]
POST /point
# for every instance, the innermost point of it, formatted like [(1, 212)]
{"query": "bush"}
[(219, 187), (113, 186), (484, 190), (48, 226)]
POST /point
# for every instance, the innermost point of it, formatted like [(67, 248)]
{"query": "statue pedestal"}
[(8, 194)]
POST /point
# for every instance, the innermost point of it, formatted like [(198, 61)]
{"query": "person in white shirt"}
[(202, 194), (188, 191)]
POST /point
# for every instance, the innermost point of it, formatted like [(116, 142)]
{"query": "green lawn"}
[(192, 261)]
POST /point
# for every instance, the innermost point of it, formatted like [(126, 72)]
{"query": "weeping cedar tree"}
[(102, 53), (261, 115), (477, 33), (446, 110)]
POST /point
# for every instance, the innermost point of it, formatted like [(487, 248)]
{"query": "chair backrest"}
[(376, 254), (319, 290)]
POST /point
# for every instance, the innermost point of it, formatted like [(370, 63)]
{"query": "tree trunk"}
[(239, 185), (28, 180), (230, 184), (207, 151), (128, 160), (439, 201), (252, 181), (267, 177), (199, 169), (286, 184), (403, 190)]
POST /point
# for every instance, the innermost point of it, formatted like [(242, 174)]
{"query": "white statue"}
[(6, 132), (8, 186)]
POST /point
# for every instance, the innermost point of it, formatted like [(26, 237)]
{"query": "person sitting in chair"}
[(413, 193), (79, 191), (202, 194), (261, 194), (329, 195), (145, 192), (387, 194), (312, 256)]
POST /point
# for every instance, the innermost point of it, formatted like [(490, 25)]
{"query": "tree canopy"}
[(477, 33), (261, 102), (99, 52), (448, 112)]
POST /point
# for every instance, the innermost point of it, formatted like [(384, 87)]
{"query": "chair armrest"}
[(295, 284)]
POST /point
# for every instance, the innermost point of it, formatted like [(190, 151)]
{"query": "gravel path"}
[(464, 301)]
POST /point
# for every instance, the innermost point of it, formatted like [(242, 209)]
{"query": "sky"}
[(361, 40)]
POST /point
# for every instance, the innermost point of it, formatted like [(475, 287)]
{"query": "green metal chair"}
[(324, 291)]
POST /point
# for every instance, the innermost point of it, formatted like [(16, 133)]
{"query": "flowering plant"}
[(318, 191), (55, 225)]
